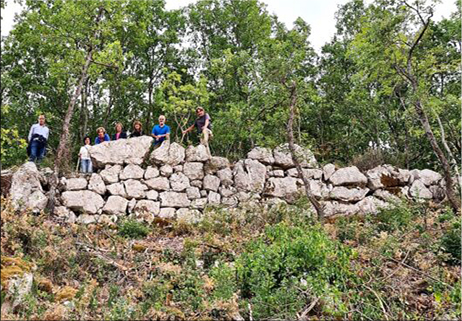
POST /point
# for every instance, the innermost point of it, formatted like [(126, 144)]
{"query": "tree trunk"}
[(290, 136), (455, 202), (62, 154)]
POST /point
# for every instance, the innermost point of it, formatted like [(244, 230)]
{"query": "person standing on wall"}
[(38, 138), (84, 154), (160, 132), (203, 124)]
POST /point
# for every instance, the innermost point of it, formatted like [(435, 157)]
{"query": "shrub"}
[(133, 229), (280, 271), (450, 243)]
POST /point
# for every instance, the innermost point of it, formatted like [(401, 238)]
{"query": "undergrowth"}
[(253, 263)]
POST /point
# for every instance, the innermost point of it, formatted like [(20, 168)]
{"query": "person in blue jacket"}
[(160, 132), (102, 136)]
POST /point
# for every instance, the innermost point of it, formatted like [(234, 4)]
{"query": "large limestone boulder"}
[(318, 188), (429, 177), (115, 205), (132, 171), (286, 188), (337, 208), (96, 184), (216, 163), (197, 154), (26, 190), (374, 177), (328, 170), (110, 174), (168, 153), (75, 184), (261, 154), (348, 176), (122, 151), (193, 193), (226, 176), (249, 175), (179, 182), (193, 170), (188, 216), (214, 198), (419, 190), (135, 189), (174, 199), (371, 205), (309, 173), (117, 189), (151, 172), (283, 158), (147, 206), (343, 193), (158, 183), (83, 201), (211, 183)]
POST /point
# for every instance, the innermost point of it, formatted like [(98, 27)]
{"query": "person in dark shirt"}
[(203, 124), (102, 136), (160, 132), (119, 132), (137, 129)]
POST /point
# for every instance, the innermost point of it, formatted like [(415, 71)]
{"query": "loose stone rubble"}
[(174, 182)]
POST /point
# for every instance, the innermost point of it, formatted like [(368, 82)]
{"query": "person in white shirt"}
[(84, 154), (38, 138)]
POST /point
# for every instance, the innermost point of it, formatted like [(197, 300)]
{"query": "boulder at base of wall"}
[(82, 201), (122, 151), (418, 190), (26, 190), (345, 194), (174, 199), (115, 205)]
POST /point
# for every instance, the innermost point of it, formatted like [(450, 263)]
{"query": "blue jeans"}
[(37, 151), (86, 166)]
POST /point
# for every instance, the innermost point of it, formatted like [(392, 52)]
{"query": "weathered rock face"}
[(263, 155), (174, 199), (170, 154), (115, 205), (348, 176), (135, 189), (122, 151), (111, 174), (283, 158), (419, 190), (132, 171), (26, 190), (343, 193), (96, 184), (179, 182), (194, 170), (172, 187), (197, 154), (75, 184), (215, 164), (249, 175), (83, 201)]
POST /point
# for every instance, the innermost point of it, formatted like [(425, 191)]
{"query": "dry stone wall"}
[(174, 182)]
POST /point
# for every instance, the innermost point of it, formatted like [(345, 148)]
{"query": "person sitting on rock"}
[(84, 154), (119, 132), (38, 138), (137, 129), (203, 124), (102, 136), (160, 132)]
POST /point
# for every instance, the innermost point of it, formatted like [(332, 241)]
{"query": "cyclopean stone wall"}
[(174, 182)]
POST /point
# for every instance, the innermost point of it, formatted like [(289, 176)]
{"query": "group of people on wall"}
[(39, 133)]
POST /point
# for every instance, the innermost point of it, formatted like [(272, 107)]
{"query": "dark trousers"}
[(37, 151)]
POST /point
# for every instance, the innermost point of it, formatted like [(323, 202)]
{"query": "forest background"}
[(239, 62)]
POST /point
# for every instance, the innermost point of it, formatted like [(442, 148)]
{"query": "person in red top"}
[(119, 132)]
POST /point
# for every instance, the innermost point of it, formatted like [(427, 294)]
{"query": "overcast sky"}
[(318, 13)]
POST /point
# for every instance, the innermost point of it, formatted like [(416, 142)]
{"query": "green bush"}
[(450, 243), (290, 266), (133, 229), (396, 218)]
